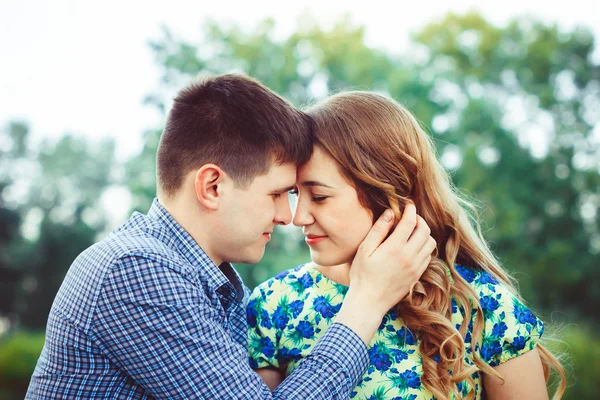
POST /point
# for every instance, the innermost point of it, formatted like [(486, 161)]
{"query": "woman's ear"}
[(209, 186)]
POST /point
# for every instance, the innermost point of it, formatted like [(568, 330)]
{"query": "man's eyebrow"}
[(283, 190), (315, 183)]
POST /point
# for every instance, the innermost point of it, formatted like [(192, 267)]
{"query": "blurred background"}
[(509, 91)]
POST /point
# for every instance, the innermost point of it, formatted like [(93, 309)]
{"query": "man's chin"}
[(250, 258)]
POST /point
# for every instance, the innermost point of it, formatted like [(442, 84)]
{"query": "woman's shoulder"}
[(490, 291), (477, 278), (485, 284), (510, 327)]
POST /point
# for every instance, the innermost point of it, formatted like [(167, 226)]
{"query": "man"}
[(155, 310)]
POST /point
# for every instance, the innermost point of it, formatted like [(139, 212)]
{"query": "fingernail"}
[(387, 215)]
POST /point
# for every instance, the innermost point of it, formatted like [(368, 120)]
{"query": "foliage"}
[(19, 352), (50, 203)]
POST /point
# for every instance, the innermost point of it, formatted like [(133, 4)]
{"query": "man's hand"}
[(386, 271), (382, 274)]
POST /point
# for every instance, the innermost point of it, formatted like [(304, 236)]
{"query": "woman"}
[(462, 332)]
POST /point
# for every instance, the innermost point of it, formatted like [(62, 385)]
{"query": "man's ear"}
[(209, 184)]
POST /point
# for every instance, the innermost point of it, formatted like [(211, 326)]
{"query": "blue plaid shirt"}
[(146, 314)]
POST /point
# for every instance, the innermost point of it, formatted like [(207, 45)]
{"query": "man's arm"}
[(160, 329)]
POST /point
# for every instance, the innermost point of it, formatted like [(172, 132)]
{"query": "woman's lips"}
[(311, 240)]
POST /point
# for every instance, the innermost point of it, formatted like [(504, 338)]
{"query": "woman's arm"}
[(523, 379), (270, 376)]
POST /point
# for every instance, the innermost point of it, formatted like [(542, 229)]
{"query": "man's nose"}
[(284, 213)]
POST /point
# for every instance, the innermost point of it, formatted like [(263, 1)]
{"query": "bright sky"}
[(84, 67)]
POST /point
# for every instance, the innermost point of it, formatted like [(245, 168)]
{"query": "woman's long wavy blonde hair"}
[(390, 160)]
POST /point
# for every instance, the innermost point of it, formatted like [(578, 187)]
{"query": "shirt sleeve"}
[(160, 328), (511, 329)]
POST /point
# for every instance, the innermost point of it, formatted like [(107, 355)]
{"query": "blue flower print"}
[(265, 319), (489, 304), (399, 355), (499, 330), (306, 329), (383, 322), (306, 280), (280, 318), (289, 354), (467, 274), (296, 307), (411, 379), (267, 346), (281, 275), (406, 336), (487, 278), (519, 343), (251, 313), (490, 348), (379, 358), (468, 337), (323, 307), (524, 316)]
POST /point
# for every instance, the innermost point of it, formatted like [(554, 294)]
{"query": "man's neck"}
[(189, 217)]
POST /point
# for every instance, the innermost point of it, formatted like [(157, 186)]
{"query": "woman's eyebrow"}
[(315, 183)]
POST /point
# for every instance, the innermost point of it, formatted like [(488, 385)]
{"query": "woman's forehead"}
[(321, 168)]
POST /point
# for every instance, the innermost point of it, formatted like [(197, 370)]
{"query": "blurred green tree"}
[(50, 204), (522, 122)]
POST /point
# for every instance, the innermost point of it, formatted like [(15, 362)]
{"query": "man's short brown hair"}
[(232, 121)]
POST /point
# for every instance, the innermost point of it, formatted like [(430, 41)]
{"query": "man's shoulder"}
[(138, 238)]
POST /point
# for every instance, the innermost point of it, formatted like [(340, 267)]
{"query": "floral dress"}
[(288, 313)]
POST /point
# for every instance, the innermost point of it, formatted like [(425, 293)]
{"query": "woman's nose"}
[(302, 215)]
